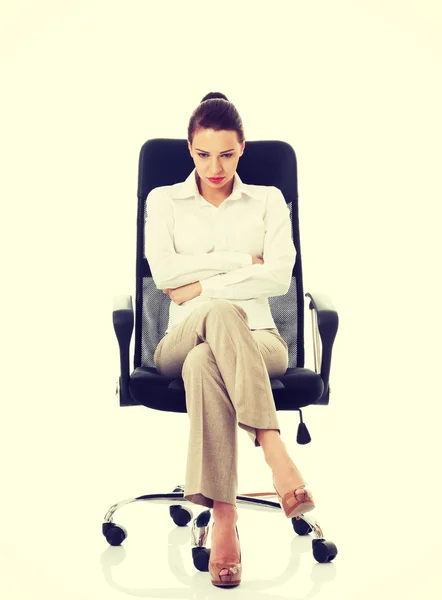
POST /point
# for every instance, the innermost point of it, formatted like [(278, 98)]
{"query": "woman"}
[(221, 336)]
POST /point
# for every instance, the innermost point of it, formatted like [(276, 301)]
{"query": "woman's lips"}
[(215, 179)]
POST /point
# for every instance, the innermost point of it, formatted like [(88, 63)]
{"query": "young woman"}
[(220, 248)]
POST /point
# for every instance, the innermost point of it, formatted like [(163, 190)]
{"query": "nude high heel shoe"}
[(296, 502), (226, 574)]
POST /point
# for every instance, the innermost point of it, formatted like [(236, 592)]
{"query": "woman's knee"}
[(198, 355)]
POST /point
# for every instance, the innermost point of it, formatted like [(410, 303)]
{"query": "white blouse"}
[(187, 239)]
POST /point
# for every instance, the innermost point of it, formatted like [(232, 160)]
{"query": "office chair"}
[(165, 162)]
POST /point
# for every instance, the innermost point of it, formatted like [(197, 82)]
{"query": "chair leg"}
[(199, 534)]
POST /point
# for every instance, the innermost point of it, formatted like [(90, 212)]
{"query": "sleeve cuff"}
[(248, 260)]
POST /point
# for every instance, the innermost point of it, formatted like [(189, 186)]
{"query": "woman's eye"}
[(204, 155)]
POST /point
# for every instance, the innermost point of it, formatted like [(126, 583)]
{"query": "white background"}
[(355, 88)]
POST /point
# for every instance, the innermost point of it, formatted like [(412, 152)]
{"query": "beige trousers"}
[(225, 367)]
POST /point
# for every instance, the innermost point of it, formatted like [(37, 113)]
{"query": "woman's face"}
[(216, 154)]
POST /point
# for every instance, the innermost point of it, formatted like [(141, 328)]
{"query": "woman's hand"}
[(257, 261), (184, 293)]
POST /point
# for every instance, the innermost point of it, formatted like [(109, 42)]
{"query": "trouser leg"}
[(212, 458), (226, 369), (242, 366)]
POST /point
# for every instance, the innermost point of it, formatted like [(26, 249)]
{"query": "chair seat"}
[(298, 387)]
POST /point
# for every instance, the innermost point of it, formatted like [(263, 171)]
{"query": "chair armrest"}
[(325, 325), (123, 319)]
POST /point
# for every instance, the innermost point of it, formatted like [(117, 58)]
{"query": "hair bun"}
[(213, 95)]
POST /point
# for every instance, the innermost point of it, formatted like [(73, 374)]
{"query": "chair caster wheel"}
[(180, 515), (201, 557), (203, 519), (301, 527), (114, 534), (324, 551)]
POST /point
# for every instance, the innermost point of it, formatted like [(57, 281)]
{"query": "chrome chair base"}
[(323, 551)]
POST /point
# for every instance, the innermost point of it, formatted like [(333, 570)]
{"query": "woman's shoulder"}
[(264, 192)]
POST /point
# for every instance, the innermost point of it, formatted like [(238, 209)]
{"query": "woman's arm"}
[(185, 292), (192, 290)]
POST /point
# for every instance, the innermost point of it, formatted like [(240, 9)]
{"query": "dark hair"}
[(217, 113)]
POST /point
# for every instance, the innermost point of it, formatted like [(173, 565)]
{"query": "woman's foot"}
[(294, 497), (225, 566), (225, 546), (287, 478)]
